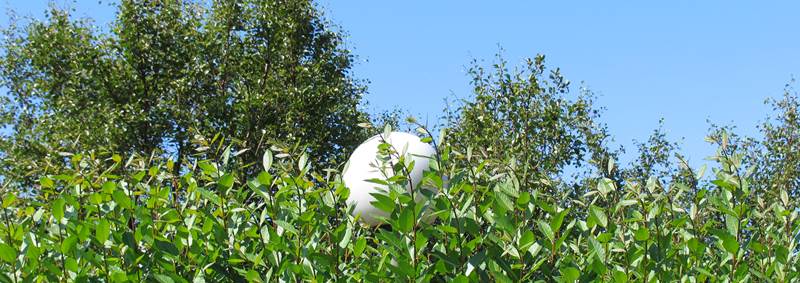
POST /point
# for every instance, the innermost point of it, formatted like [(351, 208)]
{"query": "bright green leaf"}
[(406, 220), (69, 244), (7, 253), (58, 208), (103, 230), (641, 234), (598, 215)]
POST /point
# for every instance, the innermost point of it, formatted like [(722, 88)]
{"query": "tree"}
[(528, 122), (775, 158), (255, 71)]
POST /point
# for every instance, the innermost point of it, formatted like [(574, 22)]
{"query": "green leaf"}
[(209, 195), (382, 202), (58, 208), (461, 279), (103, 230), (7, 253), (302, 162), (9, 199), (569, 274), (406, 220), (705, 272), (523, 199), (599, 251), (359, 247), (121, 199), (163, 278), (286, 226), (598, 215), (95, 198), (781, 254), (526, 240), (109, 187), (226, 181), (725, 184), (558, 220), (508, 188), (264, 178), (387, 130), (729, 242), (46, 183), (620, 277), (207, 167), (267, 160), (38, 215), (605, 186), (504, 202), (252, 276), (642, 234), (226, 155), (119, 276), (732, 224), (696, 246), (701, 172), (546, 230), (265, 234), (348, 233), (68, 244), (71, 264), (167, 247), (626, 202)]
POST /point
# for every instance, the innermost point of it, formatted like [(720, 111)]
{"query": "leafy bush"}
[(80, 202), (107, 219)]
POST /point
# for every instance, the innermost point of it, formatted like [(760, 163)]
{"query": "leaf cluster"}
[(134, 220)]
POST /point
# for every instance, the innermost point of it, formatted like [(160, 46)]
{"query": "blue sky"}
[(684, 61)]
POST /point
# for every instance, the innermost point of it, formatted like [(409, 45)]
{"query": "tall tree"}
[(775, 158), (527, 121), (252, 70)]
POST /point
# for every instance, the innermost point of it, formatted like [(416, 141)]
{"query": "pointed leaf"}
[(267, 160), (406, 221), (103, 230), (598, 215)]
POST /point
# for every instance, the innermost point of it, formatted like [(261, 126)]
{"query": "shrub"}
[(104, 218)]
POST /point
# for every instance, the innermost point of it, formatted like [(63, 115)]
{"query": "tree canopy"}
[(254, 71)]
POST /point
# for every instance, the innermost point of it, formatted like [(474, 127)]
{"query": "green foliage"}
[(776, 155), (89, 195), (526, 121), (136, 221), (255, 71)]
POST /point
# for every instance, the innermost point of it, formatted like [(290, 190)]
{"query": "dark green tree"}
[(254, 71)]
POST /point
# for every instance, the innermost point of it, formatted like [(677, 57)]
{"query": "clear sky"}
[(684, 61)]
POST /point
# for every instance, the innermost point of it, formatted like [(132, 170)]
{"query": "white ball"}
[(363, 165)]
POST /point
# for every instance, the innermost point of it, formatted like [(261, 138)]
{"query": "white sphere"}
[(363, 165)]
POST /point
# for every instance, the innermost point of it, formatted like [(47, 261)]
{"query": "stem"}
[(446, 194), (105, 254), (9, 227), (61, 242), (413, 199), (299, 212), (646, 248)]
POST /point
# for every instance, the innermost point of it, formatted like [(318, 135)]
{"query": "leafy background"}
[(205, 142)]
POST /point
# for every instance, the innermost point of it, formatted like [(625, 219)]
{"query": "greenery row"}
[(107, 172), (95, 222)]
